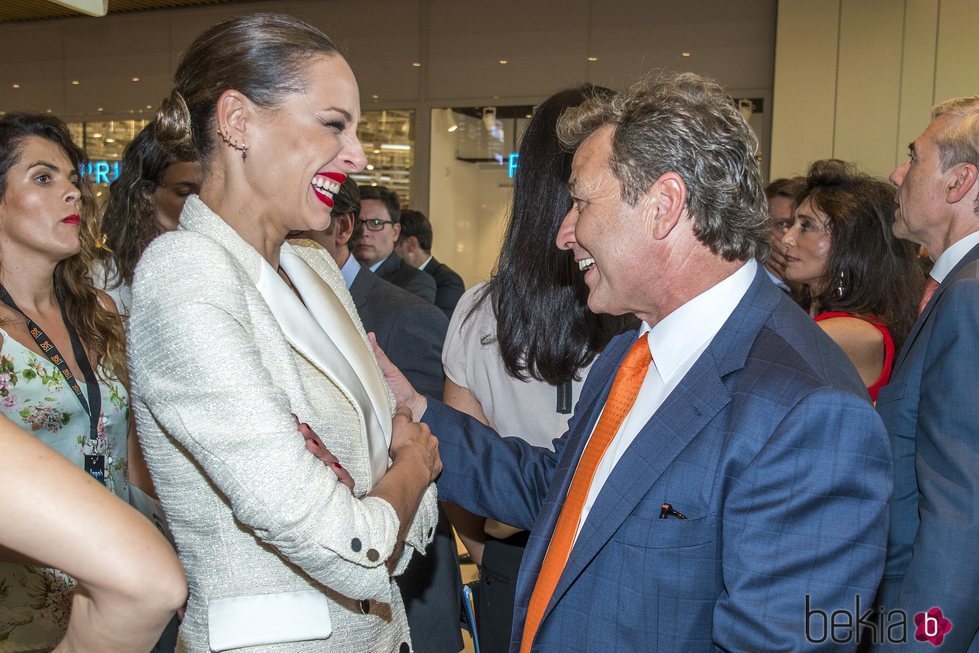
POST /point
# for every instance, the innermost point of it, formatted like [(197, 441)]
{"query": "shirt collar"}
[(349, 270), (951, 256), (422, 266), (379, 263), (688, 330)]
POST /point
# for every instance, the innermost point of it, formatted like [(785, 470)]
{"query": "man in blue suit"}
[(743, 496), (930, 406)]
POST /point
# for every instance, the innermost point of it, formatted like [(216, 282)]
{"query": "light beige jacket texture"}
[(215, 382)]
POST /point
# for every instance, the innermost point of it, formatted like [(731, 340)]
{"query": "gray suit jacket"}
[(215, 379), (410, 330), (932, 416), (396, 271)]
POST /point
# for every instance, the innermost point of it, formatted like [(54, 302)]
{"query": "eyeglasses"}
[(375, 224)]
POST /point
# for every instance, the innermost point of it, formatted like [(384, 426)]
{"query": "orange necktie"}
[(625, 387), (930, 287)]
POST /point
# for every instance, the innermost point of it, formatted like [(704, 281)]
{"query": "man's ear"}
[(343, 228), (410, 244), (397, 231), (963, 180), (666, 202)]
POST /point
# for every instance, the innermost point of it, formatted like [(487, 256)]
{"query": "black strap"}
[(93, 406)]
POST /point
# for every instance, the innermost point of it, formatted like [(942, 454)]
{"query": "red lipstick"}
[(338, 177), (74, 218)]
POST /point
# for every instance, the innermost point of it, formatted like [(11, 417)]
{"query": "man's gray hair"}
[(687, 124), (959, 142)]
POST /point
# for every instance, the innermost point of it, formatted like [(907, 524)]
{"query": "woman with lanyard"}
[(62, 353)]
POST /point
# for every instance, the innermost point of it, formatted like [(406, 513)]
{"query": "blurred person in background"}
[(414, 246), (860, 282), (144, 202)]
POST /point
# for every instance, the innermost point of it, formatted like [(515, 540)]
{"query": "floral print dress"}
[(34, 601)]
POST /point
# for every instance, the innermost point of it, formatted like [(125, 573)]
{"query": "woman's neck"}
[(31, 284), (246, 217)]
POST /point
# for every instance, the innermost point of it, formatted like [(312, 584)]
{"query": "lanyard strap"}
[(93, 406)]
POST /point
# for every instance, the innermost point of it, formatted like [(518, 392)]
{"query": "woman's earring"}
[(233, 144), (840, 288)]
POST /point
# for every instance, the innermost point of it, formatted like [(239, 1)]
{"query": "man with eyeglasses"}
[(380, 217)]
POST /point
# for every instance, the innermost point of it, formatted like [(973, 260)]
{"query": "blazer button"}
[(373, 555), (365, 606), (404, 648), (355, 545)]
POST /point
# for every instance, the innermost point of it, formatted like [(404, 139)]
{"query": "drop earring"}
[(243, 148)]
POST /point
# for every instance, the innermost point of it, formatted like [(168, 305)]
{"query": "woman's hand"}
[(316, 447), (414, 441), (404, 393)]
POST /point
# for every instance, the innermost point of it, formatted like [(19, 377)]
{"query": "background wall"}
[(459, 45), (856, 79)]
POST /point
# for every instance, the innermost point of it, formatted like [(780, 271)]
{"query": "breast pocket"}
[(649, 532)]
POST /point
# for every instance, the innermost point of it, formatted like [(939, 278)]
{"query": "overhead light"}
[(685, 54), (592, 58), (395, 146), (15, 85), (110, 140), (376, 151), (450, 121), (370, 166), (48, 110), (416, 64), (504, 61), (135, 79), (96, 135), (75, 82), (149, 106), (100, 109), (374, 97)]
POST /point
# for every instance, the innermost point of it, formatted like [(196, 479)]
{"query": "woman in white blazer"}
[(233, 333)]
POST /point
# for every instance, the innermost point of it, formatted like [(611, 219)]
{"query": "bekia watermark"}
[(875, 625)]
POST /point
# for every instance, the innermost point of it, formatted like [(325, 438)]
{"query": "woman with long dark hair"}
[(861, 283), (145, 201), (63, 371), (519, 346)]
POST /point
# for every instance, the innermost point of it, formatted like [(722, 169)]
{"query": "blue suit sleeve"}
[(944, 568), (503, 478), (805, 528)]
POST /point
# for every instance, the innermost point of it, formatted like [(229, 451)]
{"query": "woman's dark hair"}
[(543, 326), (263, 56), (98, 328), (878, 272), (129, 221)]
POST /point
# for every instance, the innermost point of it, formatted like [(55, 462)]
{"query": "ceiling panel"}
[(27, 10)]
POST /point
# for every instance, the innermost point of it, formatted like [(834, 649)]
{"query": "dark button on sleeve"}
[(404, 648), (372, 554), (355, 545)]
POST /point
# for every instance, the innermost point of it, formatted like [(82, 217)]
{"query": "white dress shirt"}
[(676, 343), (951, 256)]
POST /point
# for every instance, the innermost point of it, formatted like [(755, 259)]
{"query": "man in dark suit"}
[(380, 217), (414, 331), (415, 248), (930, 406), (724, 480)]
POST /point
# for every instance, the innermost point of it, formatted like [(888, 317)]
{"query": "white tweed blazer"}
[(215, 380)]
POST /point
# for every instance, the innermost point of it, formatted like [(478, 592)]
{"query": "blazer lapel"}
[(322, 330), (698, 398), (930, 306)]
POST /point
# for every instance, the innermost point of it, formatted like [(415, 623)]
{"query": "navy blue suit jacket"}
[(931, 411), (395, 270), (448, 286), (768, 445)]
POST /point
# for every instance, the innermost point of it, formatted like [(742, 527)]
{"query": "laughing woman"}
[(62, 356), (861, 283), (233, 333)]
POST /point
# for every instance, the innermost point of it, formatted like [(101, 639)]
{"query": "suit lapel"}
[(696, 400), (322, 330), (971, 256)]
